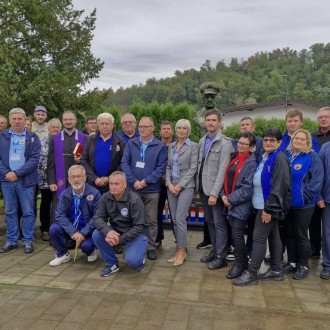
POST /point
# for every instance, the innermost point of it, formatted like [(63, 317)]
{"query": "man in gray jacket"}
[(124, 210), (214, 156)]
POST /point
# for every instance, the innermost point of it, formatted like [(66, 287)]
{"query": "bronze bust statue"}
[(210, 93)]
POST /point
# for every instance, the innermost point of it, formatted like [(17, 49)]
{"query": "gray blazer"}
[(187, 163), (215, 164)]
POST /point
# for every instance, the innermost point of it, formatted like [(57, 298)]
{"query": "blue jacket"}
[(307, 178), (241, 198), (325, 158), (154, 166), (276, 184), (29, 171), (286, 139), (89, 204), (127, 138)]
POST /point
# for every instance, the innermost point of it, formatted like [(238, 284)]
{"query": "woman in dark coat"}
[(237, 197), (271, 198)]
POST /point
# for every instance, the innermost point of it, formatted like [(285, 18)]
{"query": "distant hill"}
[(263, 77)]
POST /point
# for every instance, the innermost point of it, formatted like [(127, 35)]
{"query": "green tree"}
[(45, 55)]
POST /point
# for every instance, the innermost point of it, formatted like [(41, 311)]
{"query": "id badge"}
[(15, 157), (140, 164)]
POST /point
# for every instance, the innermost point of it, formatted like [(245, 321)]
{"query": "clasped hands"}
[(11, 177), (112, 238), (138, 185), (175, 190), (102, 181)]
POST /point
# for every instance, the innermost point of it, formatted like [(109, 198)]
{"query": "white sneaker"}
[(60, 260), (92, 257)]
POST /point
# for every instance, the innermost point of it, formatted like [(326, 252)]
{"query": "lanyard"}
[(77, 212), (143, 148)]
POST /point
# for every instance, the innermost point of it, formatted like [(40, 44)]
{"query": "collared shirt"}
[(17, 150), (175, 168), (41, 131), (103, 156), (143, 148), (208, 142)]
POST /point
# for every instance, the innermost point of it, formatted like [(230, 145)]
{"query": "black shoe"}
[(315, 254), (28, 247), (204, 245), (217, 263), (8, 247), (208, 258), (159, 244), (151, 254), (246, 279), (325, 274), (271, 275), (236, 271), (45, 236), (118, 249), (301, 273), (288, 268)]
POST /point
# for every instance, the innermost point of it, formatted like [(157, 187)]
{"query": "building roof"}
[(251, 107)]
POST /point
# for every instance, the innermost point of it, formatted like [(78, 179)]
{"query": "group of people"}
[(102, 190)]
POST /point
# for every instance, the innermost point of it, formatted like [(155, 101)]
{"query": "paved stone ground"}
[(74, 296)]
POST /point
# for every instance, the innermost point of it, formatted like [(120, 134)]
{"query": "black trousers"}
[(315, 230), (45, 209), (262, 231), (161, 204), (296, 229), (237, 235)]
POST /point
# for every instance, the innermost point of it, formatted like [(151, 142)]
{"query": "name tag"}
[(15, 157), (140, 164)]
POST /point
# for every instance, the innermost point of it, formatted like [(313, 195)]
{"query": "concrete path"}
[(72, 296)]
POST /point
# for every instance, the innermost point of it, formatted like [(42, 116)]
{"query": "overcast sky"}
[(141, 39)]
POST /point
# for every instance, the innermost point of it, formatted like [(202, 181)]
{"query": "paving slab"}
[(34, 295)]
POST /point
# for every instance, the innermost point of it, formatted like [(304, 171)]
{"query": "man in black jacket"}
[(125, 211), (102, 153)]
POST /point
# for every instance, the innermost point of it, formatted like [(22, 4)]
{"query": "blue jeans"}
[(134, 250), (58, 234), (15, 193)]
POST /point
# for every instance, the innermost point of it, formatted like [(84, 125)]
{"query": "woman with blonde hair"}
[(307, 179), (180, 182)]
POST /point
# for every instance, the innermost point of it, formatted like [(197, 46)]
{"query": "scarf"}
[(240, 161), (59, 158)]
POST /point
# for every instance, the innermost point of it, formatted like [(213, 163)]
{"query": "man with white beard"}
[(74, 217)]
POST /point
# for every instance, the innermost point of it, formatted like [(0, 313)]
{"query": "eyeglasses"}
[(79, 176), (128, 122), (269, 140), (243, 144), (323, 117), (145, 127)]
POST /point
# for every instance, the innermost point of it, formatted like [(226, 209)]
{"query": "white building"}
[(276, 109)]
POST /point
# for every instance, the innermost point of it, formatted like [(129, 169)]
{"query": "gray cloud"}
[(138, 40)]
